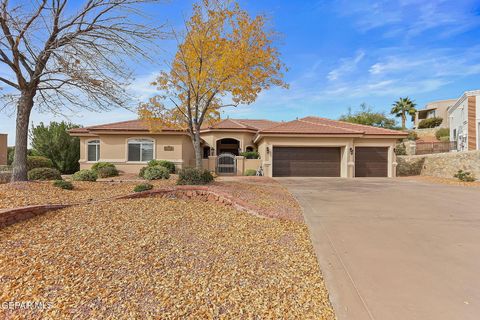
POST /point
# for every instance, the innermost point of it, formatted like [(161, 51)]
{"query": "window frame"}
[(137, 139), (96, 143)]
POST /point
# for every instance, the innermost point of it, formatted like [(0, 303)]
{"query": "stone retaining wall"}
[(11, 216), (443, 165)]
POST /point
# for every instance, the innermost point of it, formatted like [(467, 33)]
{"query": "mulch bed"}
[(161, 258)]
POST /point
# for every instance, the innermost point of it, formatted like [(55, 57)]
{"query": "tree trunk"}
[(24, 107), (198, 151), (404, 120)]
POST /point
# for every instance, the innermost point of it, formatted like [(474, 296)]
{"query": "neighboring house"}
[(3, 149), (310, 146), (435, 109), (464, 118)]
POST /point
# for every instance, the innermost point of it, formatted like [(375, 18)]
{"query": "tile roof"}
[(248, 124), (317, 125), (307, 125), (131, 125)]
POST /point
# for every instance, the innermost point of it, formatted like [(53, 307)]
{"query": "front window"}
[(93, 150), (140, 150)]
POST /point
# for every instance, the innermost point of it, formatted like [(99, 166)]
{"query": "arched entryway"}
[(228, 145)]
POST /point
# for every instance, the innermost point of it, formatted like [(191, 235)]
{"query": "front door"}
[(226, 164)]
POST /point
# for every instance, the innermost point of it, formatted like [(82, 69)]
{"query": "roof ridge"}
[(240, 124), (111, 123), (354, 124), (328, 125)]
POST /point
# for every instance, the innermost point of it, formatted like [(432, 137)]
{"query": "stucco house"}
[(464, 118), (435, 109), (3, 149), (310, 146)]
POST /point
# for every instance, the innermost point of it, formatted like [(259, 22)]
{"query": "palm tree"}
[(403, 107)]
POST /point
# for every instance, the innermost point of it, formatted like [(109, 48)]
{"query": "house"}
[(3, 149), (435, 109), (310, 146), (464, 118)]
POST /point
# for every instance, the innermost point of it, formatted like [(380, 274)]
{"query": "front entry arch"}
[(228, 145)]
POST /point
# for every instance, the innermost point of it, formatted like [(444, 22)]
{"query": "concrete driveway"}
[(395, 249)]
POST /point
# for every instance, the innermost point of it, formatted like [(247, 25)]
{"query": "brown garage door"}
[(306, 162), (371, 162)]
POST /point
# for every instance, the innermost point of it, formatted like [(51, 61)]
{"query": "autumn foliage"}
[(224, 58)]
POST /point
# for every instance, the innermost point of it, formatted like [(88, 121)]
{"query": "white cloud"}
[(346, 66)]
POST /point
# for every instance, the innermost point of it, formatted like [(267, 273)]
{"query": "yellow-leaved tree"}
[(224, 58)]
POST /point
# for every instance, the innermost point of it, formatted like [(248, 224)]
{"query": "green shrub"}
[(465, 176), (38, 162), (250, 172), (85, 175), (250, 154), (142, 172), (430, 123), (143, 187), (106, 172), (156, 172), (99, 165), (44, 174), (62, 184), (194, 176), (445, 139), (400, 149), (164, 163), (442, 132), (412, 135)]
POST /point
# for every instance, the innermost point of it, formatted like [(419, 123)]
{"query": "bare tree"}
[(63, 58)]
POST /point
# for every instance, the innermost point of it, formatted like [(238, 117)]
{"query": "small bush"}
[(442, 132), (400, 149), (164, 163), (34, 162), (106, 172), (62, 184), (85, 175), (156, 173), (430, 123), (194, 176), (250, 154), (44, 174), (142, 172), (143, 187), (464, 176), (100, 165), (412, 135), (445, 139), (250, 172)]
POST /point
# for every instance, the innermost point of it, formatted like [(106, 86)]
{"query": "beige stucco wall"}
[(113, 148), (245, 138), (3, 149), (347, 166)]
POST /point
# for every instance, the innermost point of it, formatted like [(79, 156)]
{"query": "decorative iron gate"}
[(226, 164)]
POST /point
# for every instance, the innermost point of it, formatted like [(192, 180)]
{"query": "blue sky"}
[(339, 54)]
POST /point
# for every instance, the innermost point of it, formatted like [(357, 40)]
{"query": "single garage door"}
[(306, 162), (371, 162)]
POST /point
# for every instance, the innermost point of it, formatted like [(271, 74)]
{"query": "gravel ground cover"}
[(21, 194), (161, 258), (449, 181), (269, 196)]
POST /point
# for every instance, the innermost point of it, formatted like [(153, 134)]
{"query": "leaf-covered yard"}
[(162, 258)]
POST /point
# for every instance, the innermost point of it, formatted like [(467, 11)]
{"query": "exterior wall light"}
[(268, 150), (351, 151)]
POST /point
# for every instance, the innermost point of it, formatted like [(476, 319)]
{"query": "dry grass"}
[(161, 258), (438, 180)]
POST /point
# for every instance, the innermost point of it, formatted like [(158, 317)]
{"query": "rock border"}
[(202, 193)]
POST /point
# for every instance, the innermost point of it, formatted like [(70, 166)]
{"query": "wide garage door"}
[(306, 162), (371, 162)]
